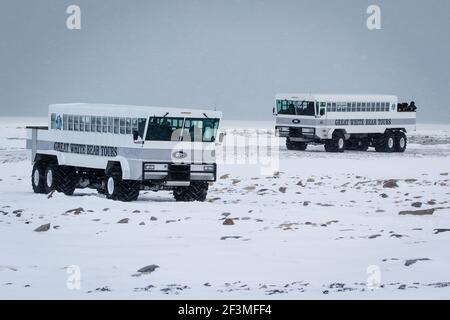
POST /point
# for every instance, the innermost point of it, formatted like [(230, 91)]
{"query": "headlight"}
[(208, 168), (155, 167)]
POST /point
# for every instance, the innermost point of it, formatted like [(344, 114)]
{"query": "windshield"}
[(203, 130), (301, 108), (171, 129)]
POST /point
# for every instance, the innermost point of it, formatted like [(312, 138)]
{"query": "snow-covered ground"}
[(321, 226)]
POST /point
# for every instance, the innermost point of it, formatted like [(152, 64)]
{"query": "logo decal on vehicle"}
[(296, 121), (179, 155), (59, 122)]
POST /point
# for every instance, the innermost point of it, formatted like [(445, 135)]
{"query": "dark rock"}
[(230, 237), (384, 195), (148, 269), (282, 189), (153, 218), (417, 212), (125, 220), (75, 211), (416, 204), (390, 184), (413, 261), (43, 228), (374, 236), (436, 231), (142, 223), (228, 222)]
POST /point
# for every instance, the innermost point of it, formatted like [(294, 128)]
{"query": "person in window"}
[(154, 130), (412, 106), (166, 130), (291, 108)]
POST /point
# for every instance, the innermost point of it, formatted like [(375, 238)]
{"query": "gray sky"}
[(235, 55)]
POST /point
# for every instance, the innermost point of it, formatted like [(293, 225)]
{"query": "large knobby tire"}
[(52, 178), (38, 177), (291, 145), (67, 180), (61, 179), (197, 191), (386, 143), (118, 189), (337, 144), (400, 142), (357, 144)]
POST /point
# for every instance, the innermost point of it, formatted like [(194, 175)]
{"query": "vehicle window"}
[(372, 108), (285, 107), (52, 121), (378, 106), (164, 129), (201, 130), (104, 124), (82, 123), (128, 126), (333, 107), (116, 126), (88, 124), (141, 127), (363, 107), (122, 126), (70, 123), (328, 107)]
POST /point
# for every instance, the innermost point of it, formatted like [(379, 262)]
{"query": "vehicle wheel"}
[(38, 177), (400, 142), (301, 146), (113, 184), (357, 144), (67, 180), (118, 189), (289, 144), (386, 143), (197, 191), (337, 144), (362, 145), (131, 191), (52, 178)]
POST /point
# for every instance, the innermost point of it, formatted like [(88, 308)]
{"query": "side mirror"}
[(136, 137), (221, 136), (322, 112), (273, 110)]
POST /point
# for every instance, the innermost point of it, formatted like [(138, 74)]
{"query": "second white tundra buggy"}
[(352, 122)]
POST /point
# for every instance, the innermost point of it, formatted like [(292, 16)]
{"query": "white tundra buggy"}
[(352, 122), (120, 150)]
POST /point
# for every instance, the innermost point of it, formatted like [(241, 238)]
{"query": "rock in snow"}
[(148, 269), (390, 184), (43, 228), (126, 220), (417, 212), (228, 222)]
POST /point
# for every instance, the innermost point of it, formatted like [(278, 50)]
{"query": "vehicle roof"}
[(131, 111), (336, 97)]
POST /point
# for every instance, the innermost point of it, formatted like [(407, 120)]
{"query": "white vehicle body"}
[(146, 142), (316, 118)]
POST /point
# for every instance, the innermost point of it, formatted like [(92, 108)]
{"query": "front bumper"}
[(173, 173), (303, 133)]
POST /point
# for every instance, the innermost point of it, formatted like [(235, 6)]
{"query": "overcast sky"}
[(234, 55)]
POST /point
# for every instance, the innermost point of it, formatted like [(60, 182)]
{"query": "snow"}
[(310, 229)]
